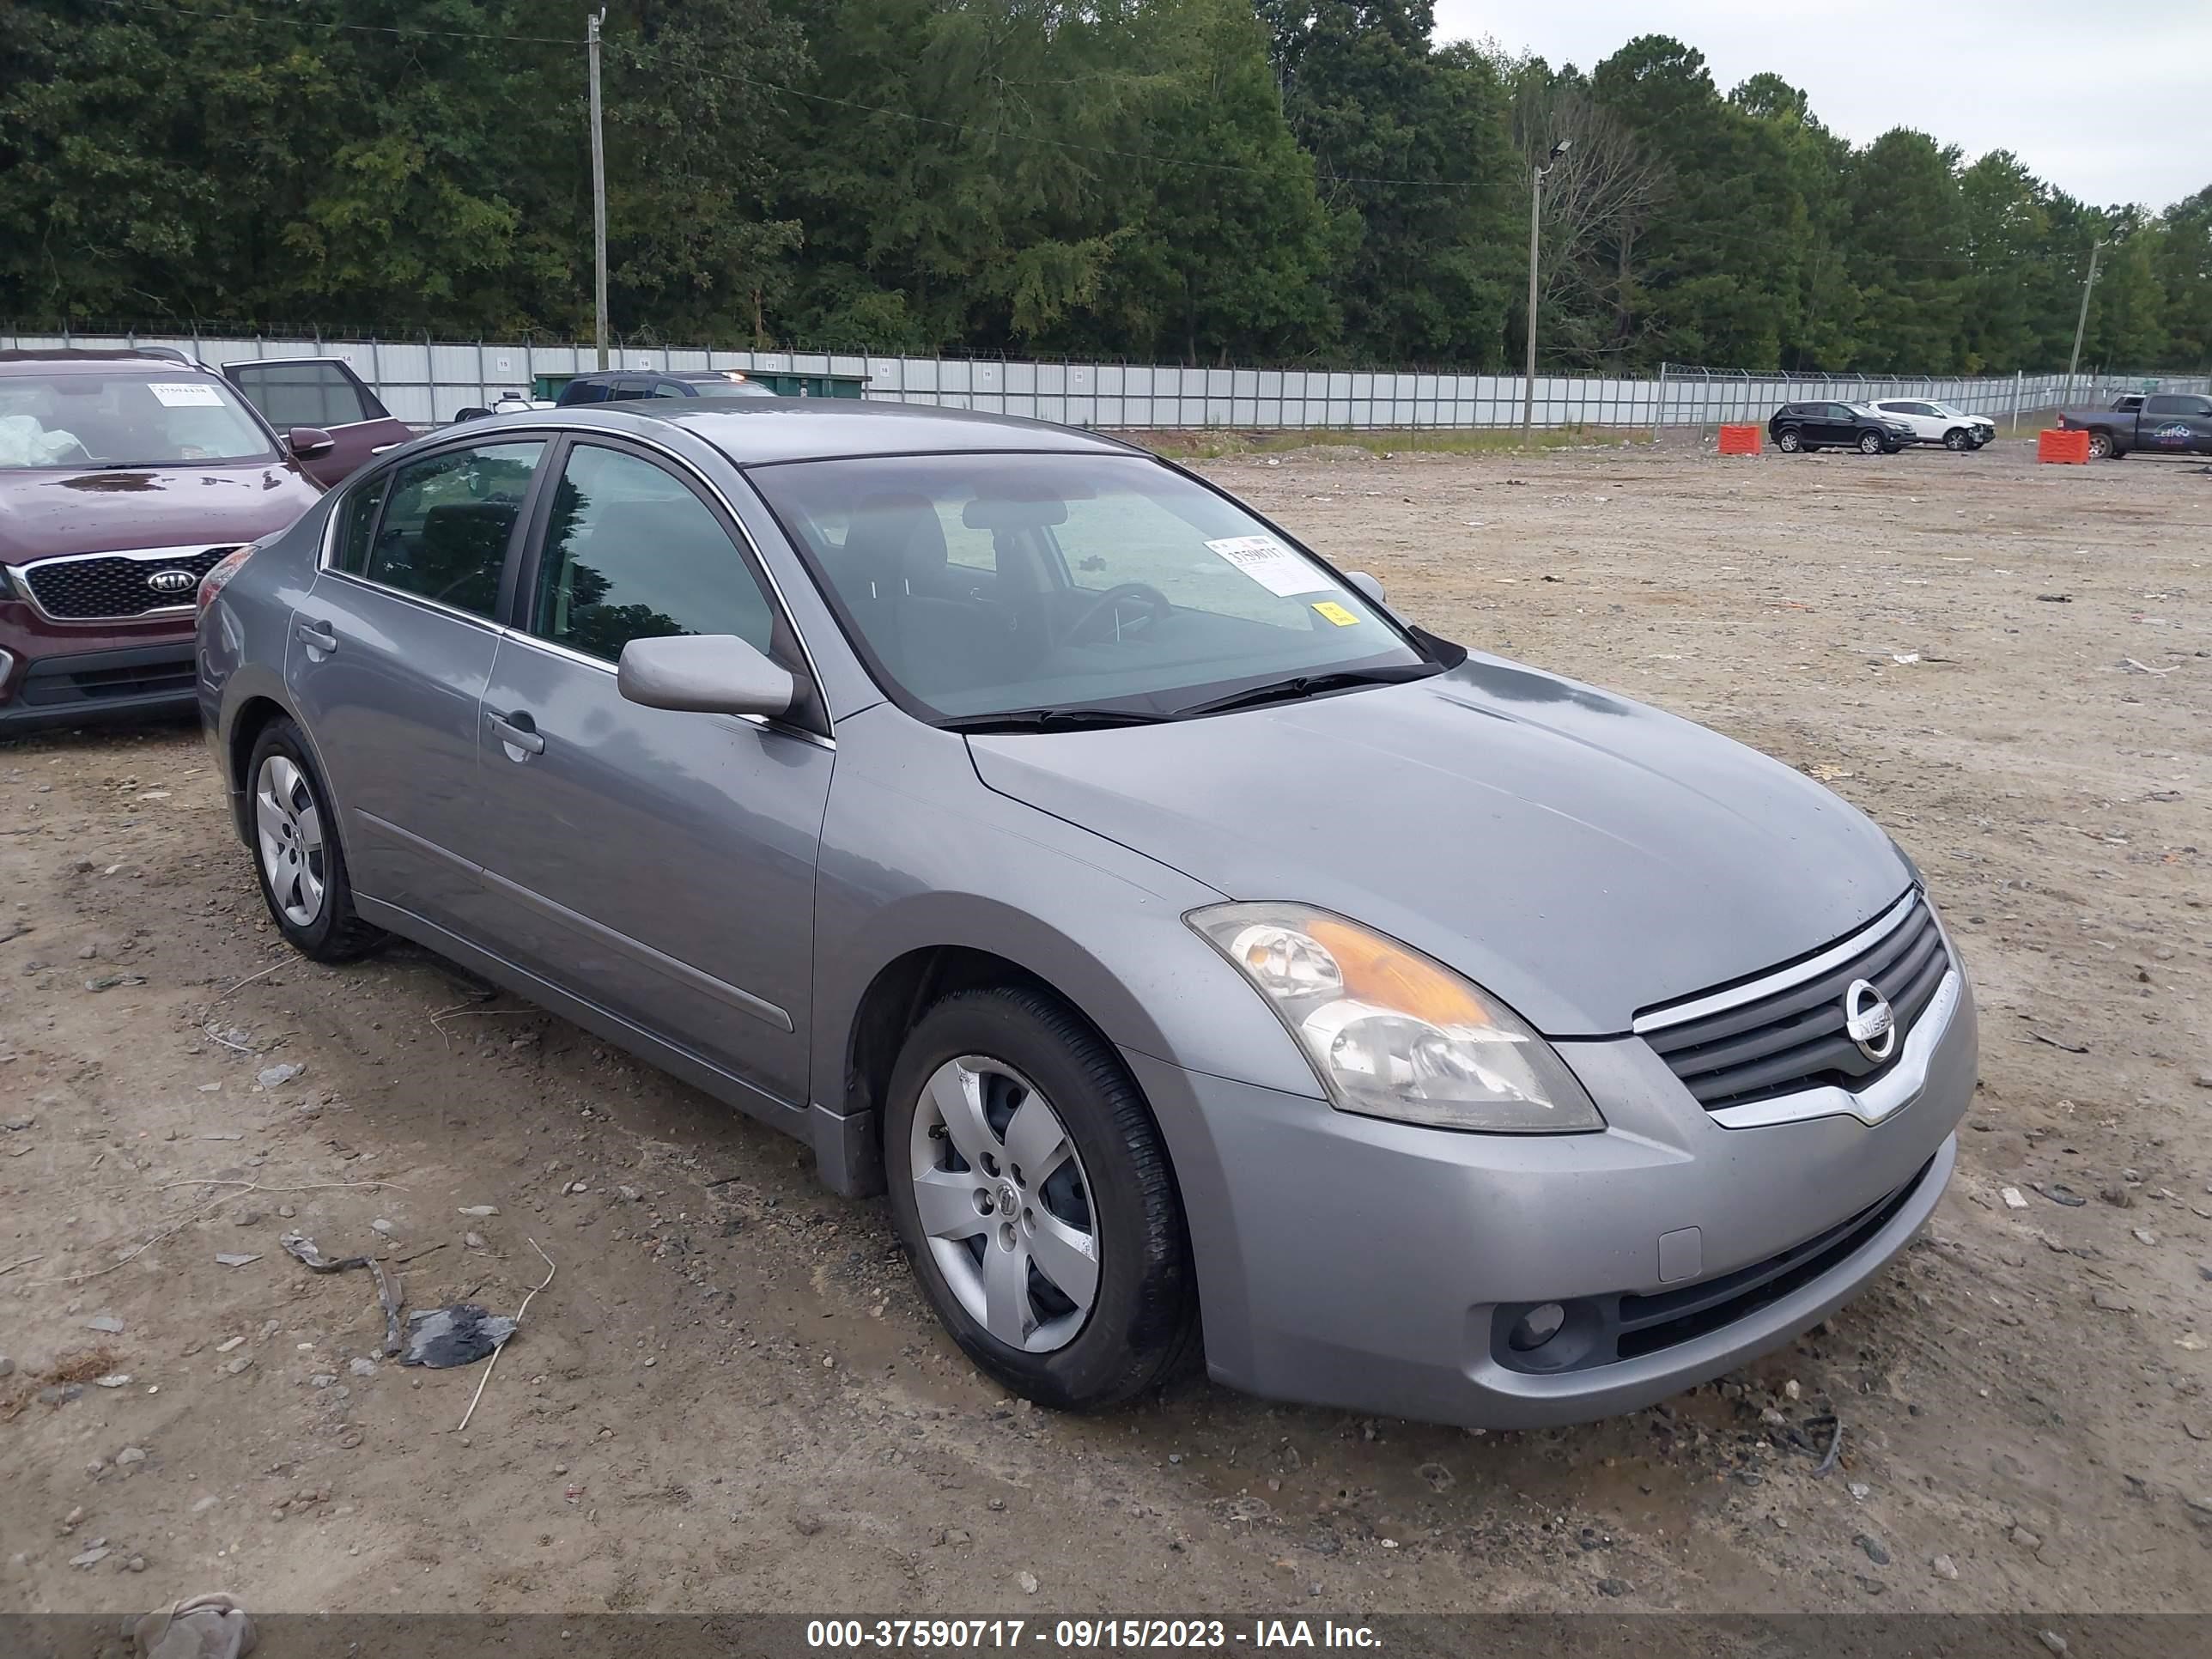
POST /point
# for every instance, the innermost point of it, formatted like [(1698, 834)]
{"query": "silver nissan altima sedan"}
[(1200, 957)]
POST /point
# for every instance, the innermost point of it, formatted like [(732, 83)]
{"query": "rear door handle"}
[(319, 635), (517, 733)]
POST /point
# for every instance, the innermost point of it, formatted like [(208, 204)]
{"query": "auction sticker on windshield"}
[(1272, 565), (185, 394)]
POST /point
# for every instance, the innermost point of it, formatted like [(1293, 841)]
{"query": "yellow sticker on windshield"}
[(1336, 613)]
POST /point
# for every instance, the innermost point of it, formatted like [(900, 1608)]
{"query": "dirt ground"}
[(731, 1396)]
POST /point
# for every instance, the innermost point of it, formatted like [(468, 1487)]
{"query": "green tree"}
[(1412, 148), (1907, 244), (1230, 250)]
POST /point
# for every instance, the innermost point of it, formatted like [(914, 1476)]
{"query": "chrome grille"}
[(1783, 1041), (114, 584)]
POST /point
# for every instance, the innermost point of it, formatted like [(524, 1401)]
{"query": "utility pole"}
[(598, 188), (1535, 212), (2081, 322)]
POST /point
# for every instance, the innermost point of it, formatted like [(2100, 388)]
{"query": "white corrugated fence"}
[(426, 383)]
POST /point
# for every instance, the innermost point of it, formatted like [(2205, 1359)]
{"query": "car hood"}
[(44, 512), (1579, 855)]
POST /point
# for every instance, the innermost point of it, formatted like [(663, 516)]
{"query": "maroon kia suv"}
[(123, 479)]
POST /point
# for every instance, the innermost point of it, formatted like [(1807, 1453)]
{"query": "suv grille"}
[(1794, 1039), (92, 590)]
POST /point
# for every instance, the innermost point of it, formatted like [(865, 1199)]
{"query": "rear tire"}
[(2102, 448), (990, 1240), (1788, 440), (296, 855), (1871, 443)]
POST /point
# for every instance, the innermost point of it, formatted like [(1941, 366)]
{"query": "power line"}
[(645, 61), (319, 23)]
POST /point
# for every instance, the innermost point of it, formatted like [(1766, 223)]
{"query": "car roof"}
[(754, 430), (85, 360)]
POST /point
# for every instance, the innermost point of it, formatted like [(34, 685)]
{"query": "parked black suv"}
[(620, 386), (1796, 427)]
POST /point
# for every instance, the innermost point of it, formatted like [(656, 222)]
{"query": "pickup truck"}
[(2163, 424)]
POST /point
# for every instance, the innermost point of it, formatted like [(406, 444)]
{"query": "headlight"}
[(1392, 1034)]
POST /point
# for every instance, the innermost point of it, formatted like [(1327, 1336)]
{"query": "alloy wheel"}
[(1004, 1202), (288, 829)]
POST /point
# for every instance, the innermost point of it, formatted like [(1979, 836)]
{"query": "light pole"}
[(1536, 210), (2081, 322), (599, 190)]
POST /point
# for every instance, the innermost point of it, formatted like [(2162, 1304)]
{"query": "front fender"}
[(917, 854)]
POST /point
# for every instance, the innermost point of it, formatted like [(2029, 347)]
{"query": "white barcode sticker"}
[(1272, 565), (185, 394)]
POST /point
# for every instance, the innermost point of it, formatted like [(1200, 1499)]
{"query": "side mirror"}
[(1368, 587), (703, 674), (307, 441)]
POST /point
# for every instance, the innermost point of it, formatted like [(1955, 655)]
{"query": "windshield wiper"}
[(1072, 718), (1307, 685)]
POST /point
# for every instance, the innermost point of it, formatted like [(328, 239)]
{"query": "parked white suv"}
[(1938, 423)]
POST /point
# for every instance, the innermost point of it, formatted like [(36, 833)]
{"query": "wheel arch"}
[(254, 714), (907, 987)]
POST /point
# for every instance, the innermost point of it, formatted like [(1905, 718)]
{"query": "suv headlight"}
[(1393, 1033)]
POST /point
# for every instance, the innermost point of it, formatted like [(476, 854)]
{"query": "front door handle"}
[(319, 636), (518, 732)]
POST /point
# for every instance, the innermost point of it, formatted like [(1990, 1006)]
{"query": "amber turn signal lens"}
[(1377, 972)]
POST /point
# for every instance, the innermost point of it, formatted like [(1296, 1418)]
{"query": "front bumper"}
[(51, 676), (1349, 1261)]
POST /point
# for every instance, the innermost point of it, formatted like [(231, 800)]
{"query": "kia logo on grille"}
[(172, 582)]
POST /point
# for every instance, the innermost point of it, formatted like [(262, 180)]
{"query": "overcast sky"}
[(2105, 100)]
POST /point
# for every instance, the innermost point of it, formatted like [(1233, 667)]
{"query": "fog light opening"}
[(1535, 1328)]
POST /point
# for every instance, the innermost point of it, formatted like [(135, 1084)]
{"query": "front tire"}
[(1029, 1187), (1788, 440), (296, 855), (1955, 440), (1871, 443)]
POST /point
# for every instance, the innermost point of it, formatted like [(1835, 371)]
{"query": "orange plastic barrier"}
[(1740, 441), (2059, 445)]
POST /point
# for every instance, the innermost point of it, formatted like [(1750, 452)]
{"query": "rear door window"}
[(357, 522), (303, 394), (444, 530)]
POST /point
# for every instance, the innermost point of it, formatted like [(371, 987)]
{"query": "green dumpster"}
[(788, 385)]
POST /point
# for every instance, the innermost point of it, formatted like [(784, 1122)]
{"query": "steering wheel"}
[(1157, 603)]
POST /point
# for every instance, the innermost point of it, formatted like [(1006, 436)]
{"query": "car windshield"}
[(125, 418), (987, 584)]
